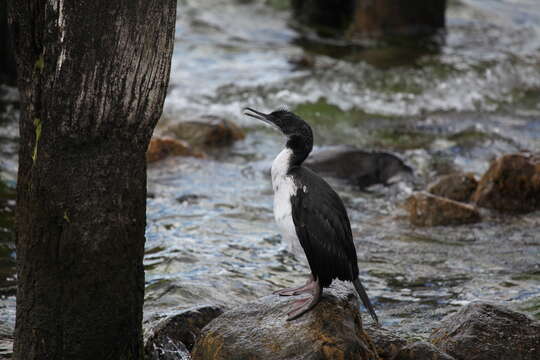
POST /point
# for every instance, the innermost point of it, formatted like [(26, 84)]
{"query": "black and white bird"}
[(310, 215)]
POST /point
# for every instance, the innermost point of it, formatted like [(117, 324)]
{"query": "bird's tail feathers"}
[(365, 299)]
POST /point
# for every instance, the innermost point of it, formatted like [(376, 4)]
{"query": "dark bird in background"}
[(310, 215), (360, 168)]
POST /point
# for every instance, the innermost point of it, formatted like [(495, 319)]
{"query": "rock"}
[(356, 166), (190, 198), (160, 148), (386, 342), (482, 331), (430, 210), (259, 330), (512, 183), (422, 350), (457, 186), (174, 336), (167, 349), (302, 62), (208, 131)]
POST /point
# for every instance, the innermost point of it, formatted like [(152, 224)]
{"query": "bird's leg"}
[(298, 290), (302, 306)]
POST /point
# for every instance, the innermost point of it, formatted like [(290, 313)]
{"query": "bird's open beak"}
[(258, 115)]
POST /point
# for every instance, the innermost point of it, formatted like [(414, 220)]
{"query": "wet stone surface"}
[(457, 186), (259, 330), (511, 184), (482, 331), (207, 131), (422, 351), (387, 343), (358, 167), (172, 335), (161, 148), (430, 210)]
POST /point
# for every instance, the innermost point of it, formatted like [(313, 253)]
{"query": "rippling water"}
[(455, 103)]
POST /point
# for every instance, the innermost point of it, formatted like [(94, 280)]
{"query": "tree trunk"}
[(92, 77)]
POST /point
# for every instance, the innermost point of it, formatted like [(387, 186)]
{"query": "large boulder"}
[(207, 131), (173, 336), (429, 210), (360, 168), (160, 148), (482, 331), (422, 350), (259, 330), (457, 186), (512, 183)]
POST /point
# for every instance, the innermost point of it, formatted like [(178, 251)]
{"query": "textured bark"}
[(92, 78)]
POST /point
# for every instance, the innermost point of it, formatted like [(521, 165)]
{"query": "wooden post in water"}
[(398, 17), (92, 77), (372, 18)]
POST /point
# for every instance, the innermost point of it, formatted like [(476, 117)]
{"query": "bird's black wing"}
[(323, 228)]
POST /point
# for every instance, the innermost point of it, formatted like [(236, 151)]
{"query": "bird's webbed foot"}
[(307, 287), (302, 306)]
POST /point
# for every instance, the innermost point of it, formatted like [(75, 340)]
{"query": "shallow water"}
[(455, 103)]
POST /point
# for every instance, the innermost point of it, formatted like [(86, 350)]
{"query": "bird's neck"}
[(300, 147)]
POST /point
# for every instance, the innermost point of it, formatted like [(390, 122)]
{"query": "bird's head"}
[(298, 132)]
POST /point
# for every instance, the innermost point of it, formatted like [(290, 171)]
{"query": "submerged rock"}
[(259, 330), (429, 210), (387, 343), (160, 148), (301, 62), (512, 183), (167, 349), (361, 168), (422, 350), (457, 186), (482, 331), (173, 337), (207, 131)]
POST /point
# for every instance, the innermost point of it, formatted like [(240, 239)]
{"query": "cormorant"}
[(310, 214)]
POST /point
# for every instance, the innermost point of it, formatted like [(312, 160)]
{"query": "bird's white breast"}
[(284, 187)]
